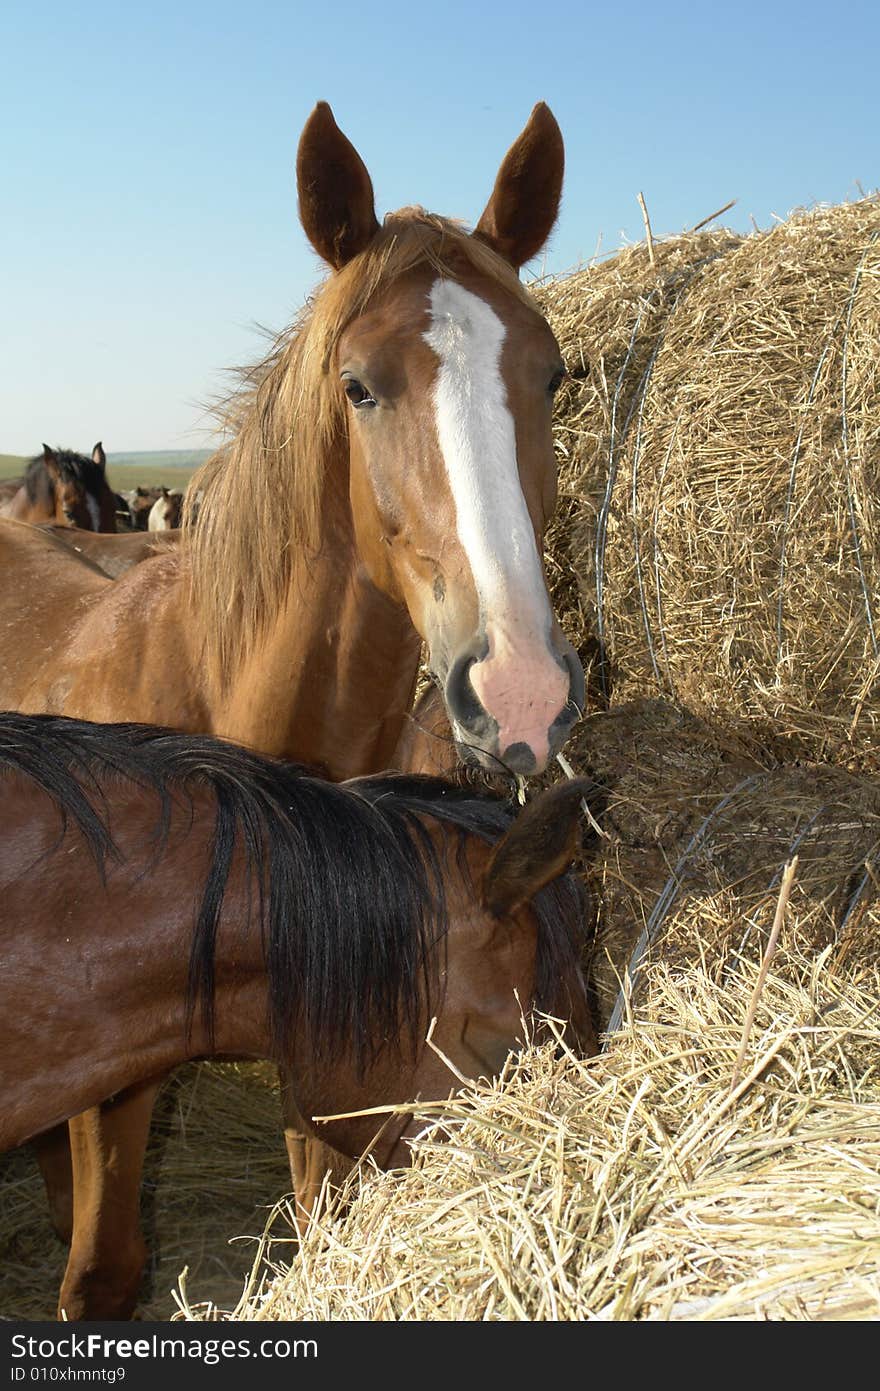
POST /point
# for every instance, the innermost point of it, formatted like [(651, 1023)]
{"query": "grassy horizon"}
[(149, 468)]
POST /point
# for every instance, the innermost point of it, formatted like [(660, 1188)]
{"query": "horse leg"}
[(52, 1153), (108, 1251), (310, 1161)]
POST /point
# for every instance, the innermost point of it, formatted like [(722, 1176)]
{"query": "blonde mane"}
[(261, 491)]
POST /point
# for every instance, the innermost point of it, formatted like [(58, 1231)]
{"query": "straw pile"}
[(719, 529), (638, 1185)]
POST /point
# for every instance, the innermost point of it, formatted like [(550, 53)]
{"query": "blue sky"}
[(147, 162)]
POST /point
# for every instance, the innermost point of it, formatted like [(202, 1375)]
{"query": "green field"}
[(122, 477), (149, 468)]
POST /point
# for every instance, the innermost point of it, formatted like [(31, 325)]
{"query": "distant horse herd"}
[(223, 709), (69, 497), (150, 509), (68, 489)]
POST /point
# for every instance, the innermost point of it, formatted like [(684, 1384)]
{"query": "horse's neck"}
[(98, 1035), (333, 680), (20, 508)]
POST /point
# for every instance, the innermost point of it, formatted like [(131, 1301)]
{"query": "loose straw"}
[(648, 233), (781, 904)]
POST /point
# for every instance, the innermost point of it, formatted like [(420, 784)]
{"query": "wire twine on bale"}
[(698, 833), (719, 528)]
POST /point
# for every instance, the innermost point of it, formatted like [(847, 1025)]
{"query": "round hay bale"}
[(697, 834), (719, 526)]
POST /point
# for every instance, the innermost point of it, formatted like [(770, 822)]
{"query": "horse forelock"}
[(286, 423)]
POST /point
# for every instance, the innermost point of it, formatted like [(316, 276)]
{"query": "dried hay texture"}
[(633, 1186), (719, 526), (691, 818)]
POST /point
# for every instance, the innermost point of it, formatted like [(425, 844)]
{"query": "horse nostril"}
[(462, 701), (575, 702), (577, 690)]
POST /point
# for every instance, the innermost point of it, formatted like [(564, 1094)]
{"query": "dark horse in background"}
[(63, 487), (332, 929), (387, 481)]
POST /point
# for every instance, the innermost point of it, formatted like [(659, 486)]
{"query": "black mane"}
[(348, 886), (73, 467)]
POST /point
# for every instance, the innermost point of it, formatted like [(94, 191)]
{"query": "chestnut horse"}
[(388, 478), (67, 488), (320, 926)]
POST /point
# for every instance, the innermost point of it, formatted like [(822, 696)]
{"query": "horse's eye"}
[(358, 394), (556, 381)]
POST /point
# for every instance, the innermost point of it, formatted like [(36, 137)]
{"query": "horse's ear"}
[(336, 204), (519, 217), (540, 845), (98, 455)]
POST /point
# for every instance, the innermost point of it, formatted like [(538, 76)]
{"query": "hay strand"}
[(781, 905)]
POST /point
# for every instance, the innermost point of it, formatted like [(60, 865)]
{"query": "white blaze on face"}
[(519, 682)]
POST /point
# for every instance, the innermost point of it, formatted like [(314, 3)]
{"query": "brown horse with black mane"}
[(66, 488), (388, 481), (319, 926)]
